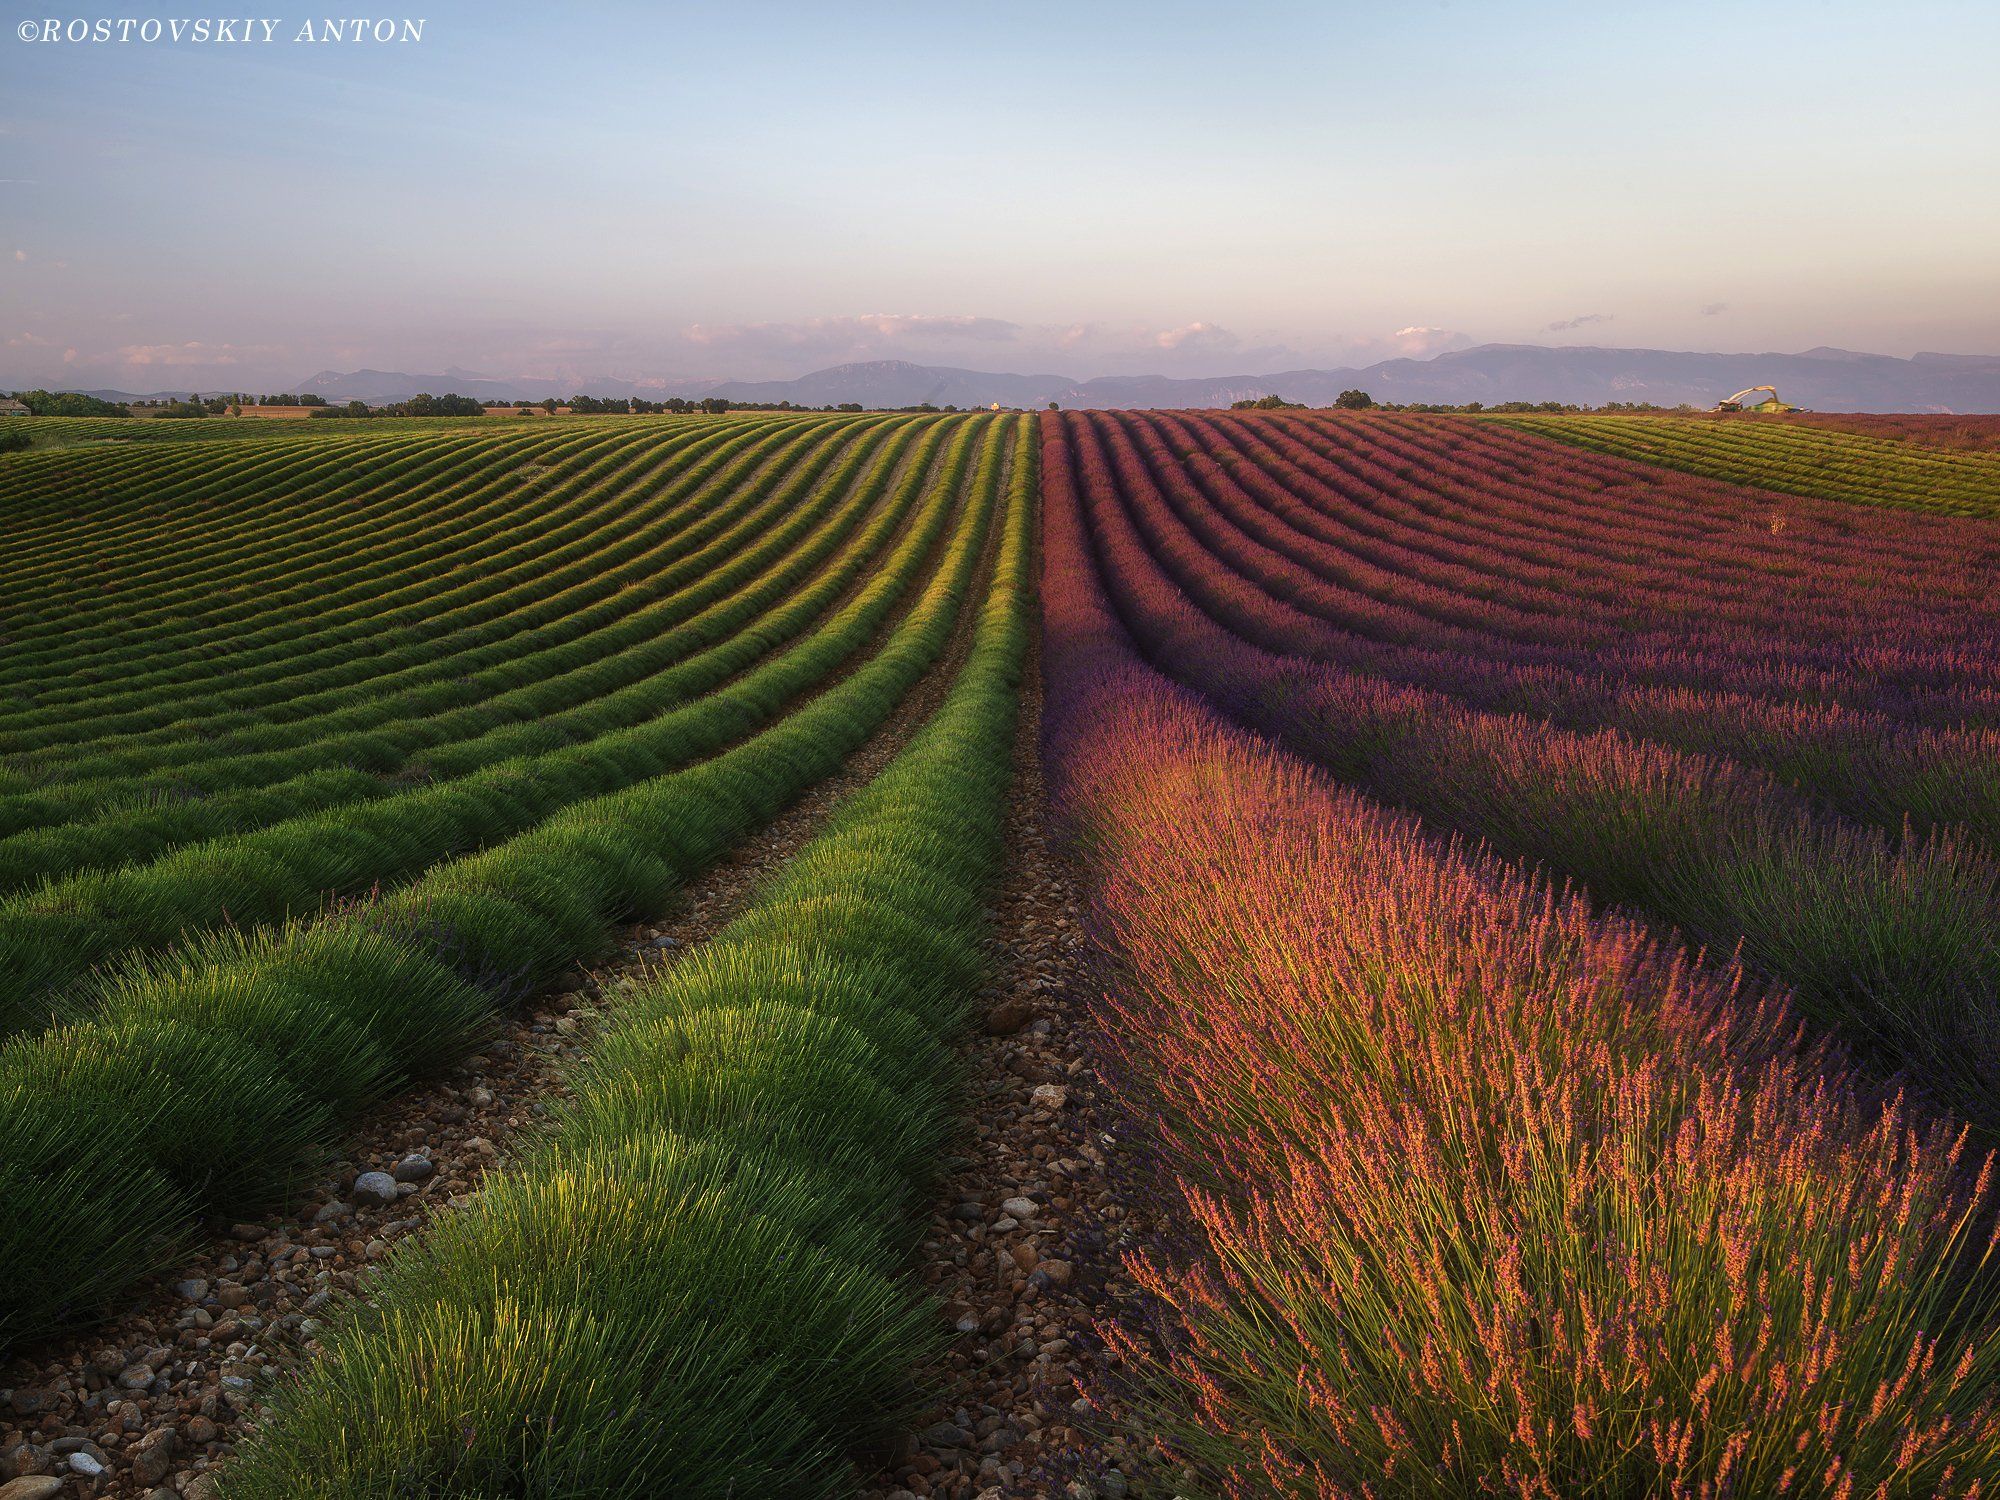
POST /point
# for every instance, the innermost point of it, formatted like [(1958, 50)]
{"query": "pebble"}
[(413, 1169), (374, 1189), (136, 1378), (30, 1487), (193, 1289), (1049, 1096), (1019, 1208), (1008, 1017), (82, 1463)]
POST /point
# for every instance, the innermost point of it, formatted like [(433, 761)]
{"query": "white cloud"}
[(1196, 338), (1582, 320), (1417, 341), (21, 257), (1710, 309)]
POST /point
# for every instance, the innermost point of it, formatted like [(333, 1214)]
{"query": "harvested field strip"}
[(73, 498), (691, 1286), (465, 504), (203, 607), (1794, 457), (471, 627), (1471, 1189), (148, 432), (54, 934), (755, 601), (1898, 945), (588, 622), (231, 517), (513, 496), (201, 1082), (574, 512)]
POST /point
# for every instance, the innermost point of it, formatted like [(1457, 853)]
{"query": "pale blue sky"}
[(761, 189)]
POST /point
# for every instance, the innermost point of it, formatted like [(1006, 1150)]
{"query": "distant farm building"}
[(9, 407)]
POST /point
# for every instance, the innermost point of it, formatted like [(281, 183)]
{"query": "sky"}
[(680, 191)]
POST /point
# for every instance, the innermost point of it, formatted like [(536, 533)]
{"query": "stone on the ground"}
[(1008, 1017), (374, 1189)]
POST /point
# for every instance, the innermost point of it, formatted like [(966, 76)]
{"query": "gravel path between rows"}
[(1023, 1250), (148, 1404)]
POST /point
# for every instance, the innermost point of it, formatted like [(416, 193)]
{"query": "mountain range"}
[(1824, 379), (1827, 379)]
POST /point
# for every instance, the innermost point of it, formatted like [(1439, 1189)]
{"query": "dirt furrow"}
[(1022, 1252)]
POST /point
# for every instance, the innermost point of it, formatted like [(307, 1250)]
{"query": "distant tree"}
[(427, 405), (1266, 403), (1055, 406), (68, 404), (1354, 401), (715, 406)]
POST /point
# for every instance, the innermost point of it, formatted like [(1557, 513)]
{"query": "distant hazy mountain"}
[(895, 382), (380, 386), (179, 393), (1826, 379)]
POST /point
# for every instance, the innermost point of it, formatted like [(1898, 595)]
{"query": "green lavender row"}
[(692, 1286)]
